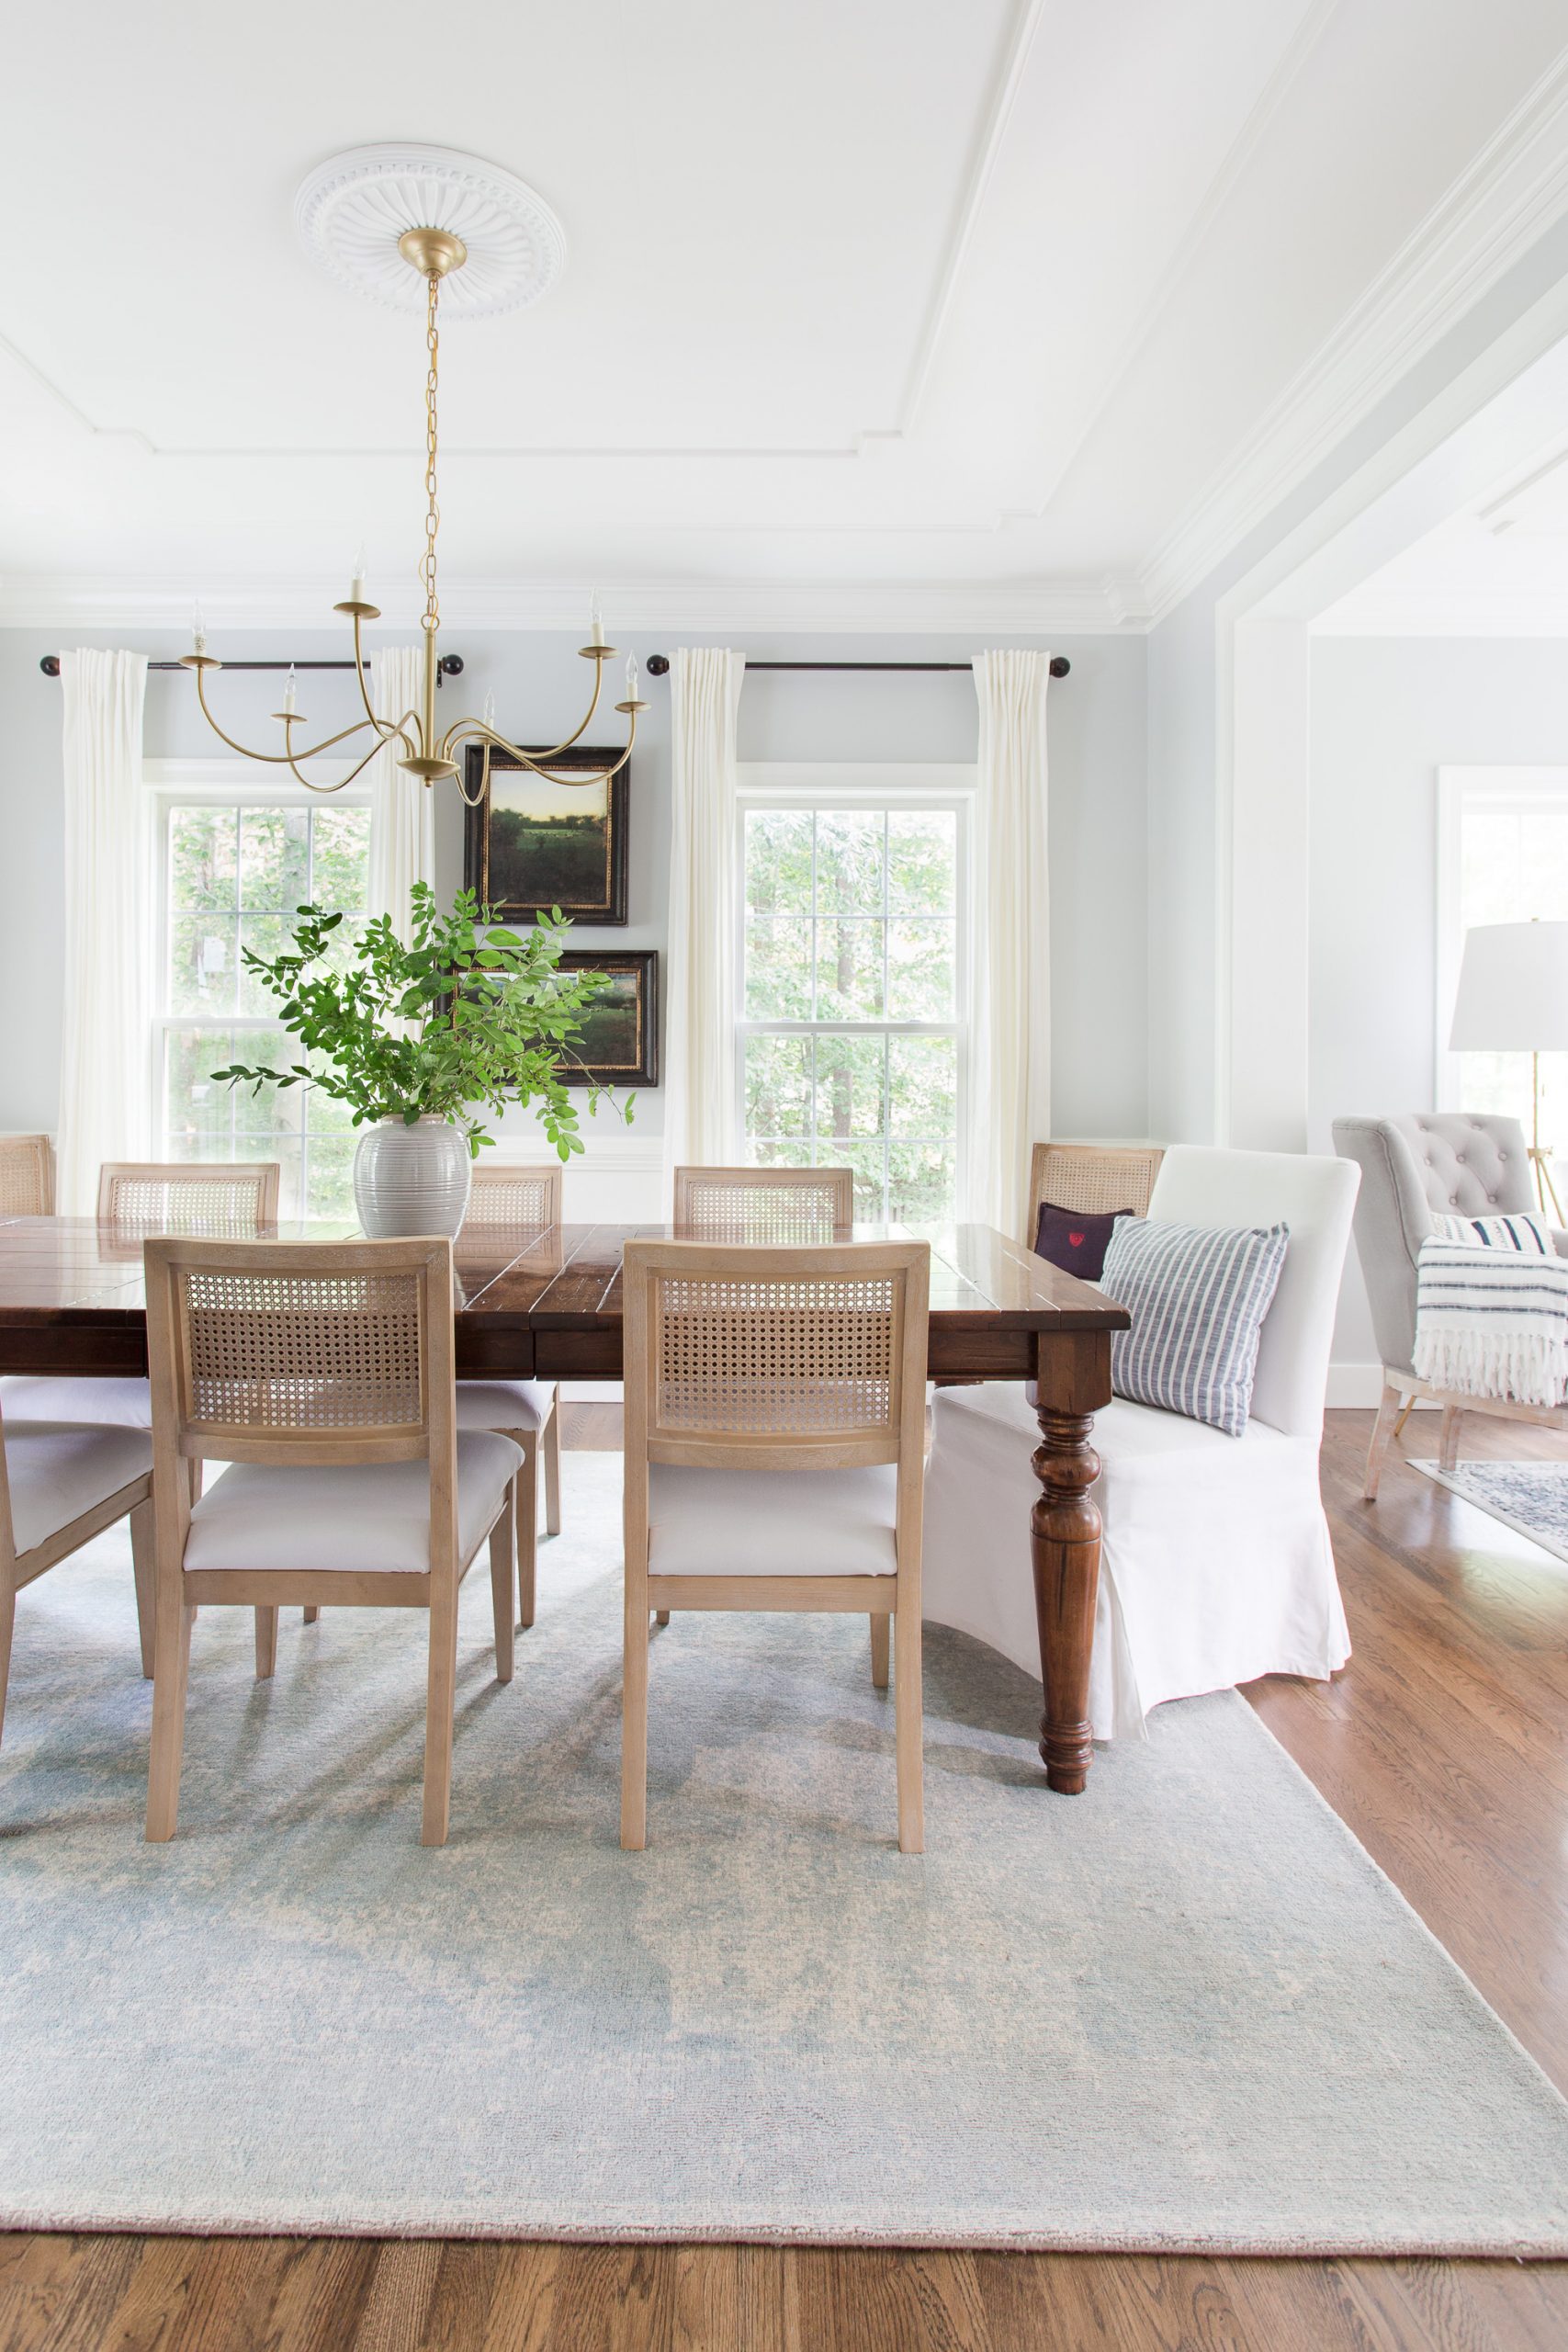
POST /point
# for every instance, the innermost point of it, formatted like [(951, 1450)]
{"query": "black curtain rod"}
[(449, 666), (658, 663)]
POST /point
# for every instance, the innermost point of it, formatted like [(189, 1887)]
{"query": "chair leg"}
[(909, 1730), (551, 1437), (634, 1716), (310, 1613), (144, 1568), (881, 1626), (662, 1616), (525, 1515), (1382, 1432), (1448, 1439), (441, 1696), (266, 1643), (7, 1624), (501, 1586), (170, 1676)]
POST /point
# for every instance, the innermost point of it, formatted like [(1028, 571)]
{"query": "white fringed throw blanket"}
[(1492, 1322)]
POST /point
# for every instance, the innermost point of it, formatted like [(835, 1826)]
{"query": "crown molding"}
[(1437, 612), (892, 608), (1510, 196)]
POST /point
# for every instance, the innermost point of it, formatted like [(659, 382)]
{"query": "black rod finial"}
[(49, 665), (657, 664), (1060, 665)]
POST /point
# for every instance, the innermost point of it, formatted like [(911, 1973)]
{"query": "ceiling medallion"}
[(436, 254), (352, 210)]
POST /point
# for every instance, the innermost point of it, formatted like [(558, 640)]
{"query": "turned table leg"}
[(1064, 1543)]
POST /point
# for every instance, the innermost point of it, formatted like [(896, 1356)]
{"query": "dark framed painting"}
[(619, 1043), (531, 843)]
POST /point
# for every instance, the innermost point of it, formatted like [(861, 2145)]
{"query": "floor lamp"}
[(1513, 999)]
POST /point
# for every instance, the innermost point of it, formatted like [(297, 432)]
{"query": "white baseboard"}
[(1359, 1386)]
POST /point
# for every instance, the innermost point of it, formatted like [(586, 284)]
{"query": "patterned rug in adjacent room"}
[(1531, 1497), (1185, 2011)]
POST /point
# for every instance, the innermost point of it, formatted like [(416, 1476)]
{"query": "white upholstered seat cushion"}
[(504, 1404), (57, 1470), (28, 1397), (772, 1522), (364, 1516), (1215, 1568)]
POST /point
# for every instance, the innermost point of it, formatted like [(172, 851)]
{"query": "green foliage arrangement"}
[(468, 1014)]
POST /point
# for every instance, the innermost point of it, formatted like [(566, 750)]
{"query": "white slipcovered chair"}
[(1216, 1565)]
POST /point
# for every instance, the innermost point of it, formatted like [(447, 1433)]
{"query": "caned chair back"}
[(26, 1176), (300, 1352), (1093, 1178), (516, 1197), (220, 1197), (746, 1358), (787, 1206)]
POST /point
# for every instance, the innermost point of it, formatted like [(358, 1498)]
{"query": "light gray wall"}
[(1098, 727), (1386, 714)]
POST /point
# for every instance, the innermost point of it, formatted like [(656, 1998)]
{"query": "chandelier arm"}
[(465, 727), (475, 731), (272, 759), (383, 727)]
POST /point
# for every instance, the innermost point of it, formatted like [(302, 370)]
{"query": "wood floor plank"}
[(1444, 1747)]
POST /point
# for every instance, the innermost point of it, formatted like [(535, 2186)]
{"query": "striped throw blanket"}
[(1492, 1314)]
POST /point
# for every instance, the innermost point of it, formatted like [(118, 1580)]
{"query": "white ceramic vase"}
[(412, 1180)]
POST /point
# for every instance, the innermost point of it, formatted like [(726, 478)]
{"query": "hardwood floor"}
[(1444, 1746)]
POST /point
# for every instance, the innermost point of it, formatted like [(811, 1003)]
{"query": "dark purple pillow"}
[(1074, 1240)]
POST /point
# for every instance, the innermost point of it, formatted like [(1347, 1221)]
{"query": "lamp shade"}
[(1512, 989)]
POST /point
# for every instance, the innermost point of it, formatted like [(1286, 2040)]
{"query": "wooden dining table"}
[(545, 1303)]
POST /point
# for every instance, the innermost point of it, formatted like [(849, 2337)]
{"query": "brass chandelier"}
[(425, 753)]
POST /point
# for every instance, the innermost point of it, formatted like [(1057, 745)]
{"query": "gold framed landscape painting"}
[(531, 843), (619, 1045)]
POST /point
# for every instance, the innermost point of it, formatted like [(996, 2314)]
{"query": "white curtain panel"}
[(701, 1125), (403, 816), (105, 1079), (1009, 962)]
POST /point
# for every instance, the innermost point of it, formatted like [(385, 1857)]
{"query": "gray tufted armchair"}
[(1416, 1165)]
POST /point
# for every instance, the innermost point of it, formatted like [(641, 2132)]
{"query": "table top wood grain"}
[(541, 1300)]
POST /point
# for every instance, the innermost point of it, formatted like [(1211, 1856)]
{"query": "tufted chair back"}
[(1415, 1166)]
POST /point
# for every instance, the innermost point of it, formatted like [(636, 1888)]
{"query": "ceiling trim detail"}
[(892, 608), (1512, 192)]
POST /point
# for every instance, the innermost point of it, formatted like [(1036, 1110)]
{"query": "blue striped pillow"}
[(1197, 1299), (1523, 1231)]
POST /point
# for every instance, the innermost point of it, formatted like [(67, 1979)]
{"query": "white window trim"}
[(217, 784), (1508, 792), (881, 783)]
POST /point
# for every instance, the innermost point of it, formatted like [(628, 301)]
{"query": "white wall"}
[(1097, 726), (1386, 714)]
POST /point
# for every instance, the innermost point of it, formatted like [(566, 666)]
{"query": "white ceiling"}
[(1006, 295)]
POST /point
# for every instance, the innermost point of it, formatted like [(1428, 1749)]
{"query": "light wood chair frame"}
[(180, 1443), (28, 1163), (19, 1569), (900, 1439), (264, 1174), (837, 1182), (1091, 1178), (541, 1445)]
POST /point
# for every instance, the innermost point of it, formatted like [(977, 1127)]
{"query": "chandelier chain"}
[(432, 620)]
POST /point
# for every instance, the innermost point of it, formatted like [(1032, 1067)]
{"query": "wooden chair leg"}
[(8, 1626), (144, 1568), (526, 1506), (910, 1730), (881, 1627), (1382, 1432), (634, 1715), (1448, 1437), (501, 1540), (170, 1676), (551, 1437), (310, 1613), (266, 1643), (441, 1697), (662, 1616)]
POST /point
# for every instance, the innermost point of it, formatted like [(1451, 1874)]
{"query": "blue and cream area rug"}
[(1183, 2011), (1530, 1496)]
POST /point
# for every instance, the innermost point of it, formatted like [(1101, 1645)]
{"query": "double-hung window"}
[(233, 862), (849, 1033)]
